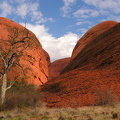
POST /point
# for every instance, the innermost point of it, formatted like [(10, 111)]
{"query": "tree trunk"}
[(3, 89)]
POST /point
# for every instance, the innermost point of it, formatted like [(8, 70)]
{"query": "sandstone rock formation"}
[(91, 34), (93, 75), (91, 43), (57, 66), (35, 60)]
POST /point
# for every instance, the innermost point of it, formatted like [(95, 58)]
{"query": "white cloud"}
[(56, 47), (112, 5), (68, 2), (83, 22), (111, 17), (82, 31), (31, 9), (24, 9), (6, 9), (92, 2), (44, 19), (92, 9), (18, 1), (95, 10), (67, 7), (86, 12)]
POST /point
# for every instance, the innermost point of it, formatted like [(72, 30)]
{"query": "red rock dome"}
[(92, 34), (93, 75), (57, 66), (34, 61)]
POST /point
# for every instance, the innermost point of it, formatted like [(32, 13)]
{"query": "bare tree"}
[(10, 52)]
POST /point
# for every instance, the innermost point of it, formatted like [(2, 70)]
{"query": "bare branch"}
[(11, 84), (20, 67), (11, 61), (13, 37), (3, 60), (3, 50), (20, 41), (21, 51), (6, 40), (10, 49), (11, 58), (1, 73)]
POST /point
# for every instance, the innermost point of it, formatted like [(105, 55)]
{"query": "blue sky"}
[(58, 24)]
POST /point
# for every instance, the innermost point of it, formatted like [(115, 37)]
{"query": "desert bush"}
[(115, 116), (22, 95), (106, 97)]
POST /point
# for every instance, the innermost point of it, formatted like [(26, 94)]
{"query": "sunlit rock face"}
[(92, 76), (34, 61)]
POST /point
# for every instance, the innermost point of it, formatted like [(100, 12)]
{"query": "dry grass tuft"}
[(83, 113)]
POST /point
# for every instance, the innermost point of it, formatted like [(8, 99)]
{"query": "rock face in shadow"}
[(35, 59), (93, 75), (91, 46), (57, 66)]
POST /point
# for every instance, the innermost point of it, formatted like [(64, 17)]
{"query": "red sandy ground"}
[(93, 76)]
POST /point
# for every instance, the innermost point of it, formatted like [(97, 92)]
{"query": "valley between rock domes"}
[(91, 76)]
